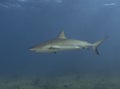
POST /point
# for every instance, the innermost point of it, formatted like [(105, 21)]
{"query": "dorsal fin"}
[(62, 35)]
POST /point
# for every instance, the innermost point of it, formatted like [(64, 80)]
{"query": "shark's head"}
[(42, 49)]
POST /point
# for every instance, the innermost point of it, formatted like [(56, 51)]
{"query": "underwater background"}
[(24, 23)]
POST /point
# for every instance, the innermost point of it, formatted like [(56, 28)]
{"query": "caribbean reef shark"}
[(62, 43)]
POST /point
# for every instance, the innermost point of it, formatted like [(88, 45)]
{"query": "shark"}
[(62, 43)]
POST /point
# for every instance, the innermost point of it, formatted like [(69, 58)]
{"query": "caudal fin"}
[(97, 44)]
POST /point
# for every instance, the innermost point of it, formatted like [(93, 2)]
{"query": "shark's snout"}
[(36, 49), (32, 49)]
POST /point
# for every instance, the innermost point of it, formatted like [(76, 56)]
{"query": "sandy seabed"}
[(62, 82)]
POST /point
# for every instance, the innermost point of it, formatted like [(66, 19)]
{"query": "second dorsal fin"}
[(61, 35)]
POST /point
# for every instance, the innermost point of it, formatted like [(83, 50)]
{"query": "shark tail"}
[(97, 44)]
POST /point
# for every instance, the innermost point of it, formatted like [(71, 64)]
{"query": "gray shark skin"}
[(62, 43)]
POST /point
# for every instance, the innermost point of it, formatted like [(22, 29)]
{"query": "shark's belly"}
[(64, 47)]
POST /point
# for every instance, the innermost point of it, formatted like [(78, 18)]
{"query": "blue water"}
[(24, 23)]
